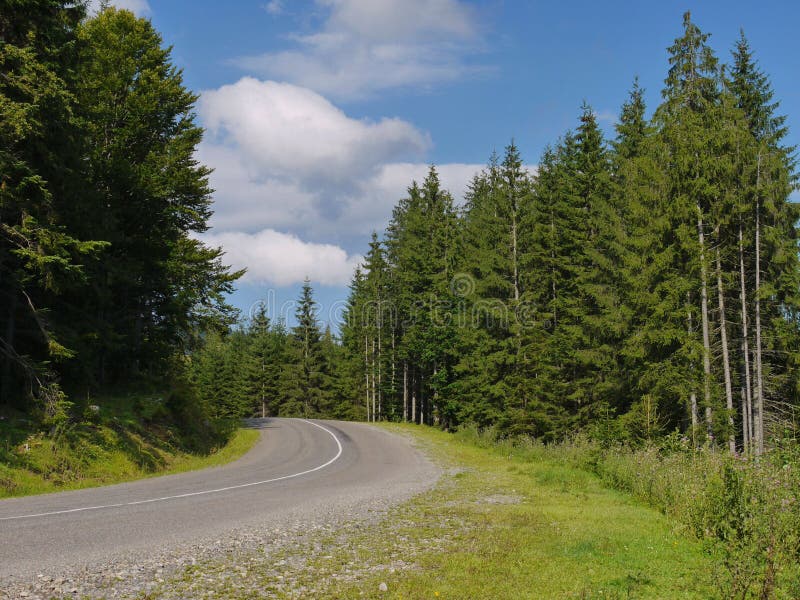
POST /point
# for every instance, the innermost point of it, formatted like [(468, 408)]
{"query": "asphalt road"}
[(296, 467)]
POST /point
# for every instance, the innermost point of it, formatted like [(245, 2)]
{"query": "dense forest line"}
[(630, 288), (103, 282)]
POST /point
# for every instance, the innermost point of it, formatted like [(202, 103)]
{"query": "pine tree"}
[(648, 355), (305, 382), (687, 121), (421, 249), (495, 244), (261, 368)]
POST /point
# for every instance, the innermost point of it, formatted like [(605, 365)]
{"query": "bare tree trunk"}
[(745, 424), (394, 378), (380, 368), (373, 382), (692, 395), (405, 391), (759, 422), (414, 399), (366, 371), (421, 399), (747, 413), (726, 365), (704, 317)]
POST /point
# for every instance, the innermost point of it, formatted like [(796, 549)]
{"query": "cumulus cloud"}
[(137, 7), (290, 133), (246, 202), (369, 45), (283, 259), (284, 157)]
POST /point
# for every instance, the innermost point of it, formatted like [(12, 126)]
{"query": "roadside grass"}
[(505, 526), (128, 438), (498, 524)]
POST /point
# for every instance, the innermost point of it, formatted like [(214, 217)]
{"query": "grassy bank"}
[(117, 438), (512, 524), (744, 511)]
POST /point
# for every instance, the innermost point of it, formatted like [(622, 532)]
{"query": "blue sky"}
[(321, 112)]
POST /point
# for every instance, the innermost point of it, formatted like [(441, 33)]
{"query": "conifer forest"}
[(630, 287)]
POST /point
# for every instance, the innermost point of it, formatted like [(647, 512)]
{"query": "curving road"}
[(296, 468)]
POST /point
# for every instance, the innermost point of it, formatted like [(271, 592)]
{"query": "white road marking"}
[(201, 493)]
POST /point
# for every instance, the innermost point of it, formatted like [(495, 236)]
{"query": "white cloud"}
[(292, 170), (370, 45), (137, 7), (283, 259), (247, 200), (289, 133), (285, 157)]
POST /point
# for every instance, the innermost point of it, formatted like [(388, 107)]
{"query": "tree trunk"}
[(747, 412), (421, 399), (726, 365), (414, 399), (394, 380), (745, 424), (373, 383), (380, 366), (366, 372), (759, 395), (704, 317), (405, 391), (692, 395)]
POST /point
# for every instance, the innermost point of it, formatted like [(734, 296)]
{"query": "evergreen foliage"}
[(629, 288), (102, 280)]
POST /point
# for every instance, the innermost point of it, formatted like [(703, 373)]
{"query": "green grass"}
[(130, 438), (507, 527)]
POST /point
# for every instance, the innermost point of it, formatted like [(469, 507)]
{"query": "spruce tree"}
[(305, 382)]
